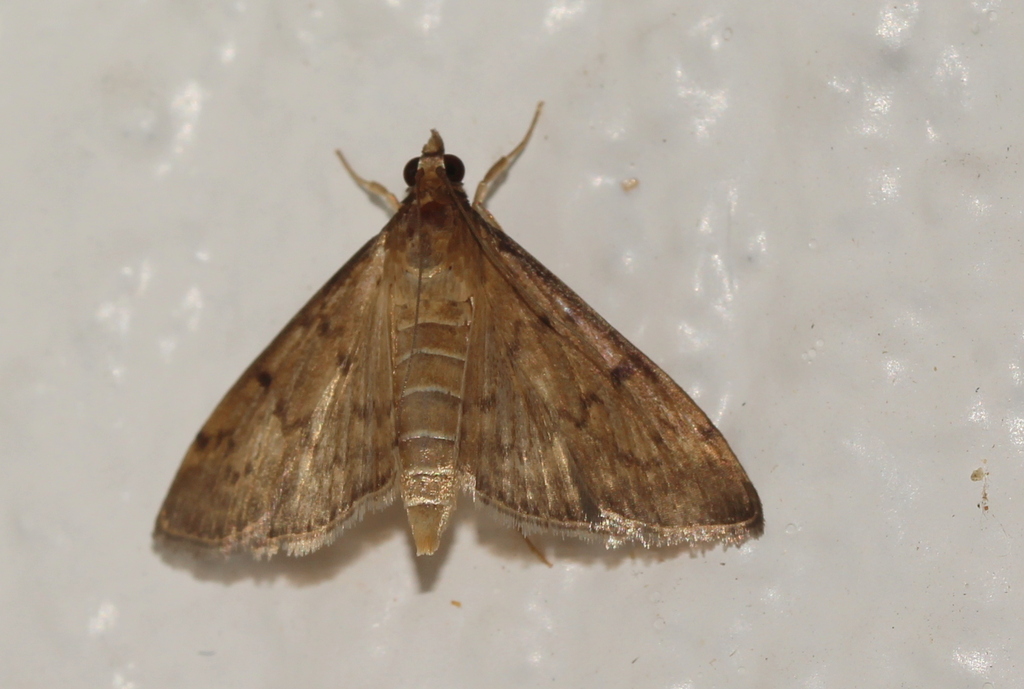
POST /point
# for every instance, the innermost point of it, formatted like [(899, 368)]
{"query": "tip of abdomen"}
[(427, 523)]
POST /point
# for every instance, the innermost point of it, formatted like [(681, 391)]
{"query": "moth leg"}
[(484, 188), (534, 549), (374, 188)]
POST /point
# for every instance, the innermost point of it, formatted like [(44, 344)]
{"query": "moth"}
[(444, 358)]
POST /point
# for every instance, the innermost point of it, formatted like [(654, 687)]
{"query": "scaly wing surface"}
[(304, 442), (569, 427)]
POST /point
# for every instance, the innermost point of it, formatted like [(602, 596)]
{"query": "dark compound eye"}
[(454, 168), (409, 173)]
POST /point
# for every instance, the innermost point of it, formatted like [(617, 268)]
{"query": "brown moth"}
[(443, 357)]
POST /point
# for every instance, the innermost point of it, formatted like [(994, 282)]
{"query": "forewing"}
[(304, 441), (569, 427)]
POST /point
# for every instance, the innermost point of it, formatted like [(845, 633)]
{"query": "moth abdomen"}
[(431, 349)]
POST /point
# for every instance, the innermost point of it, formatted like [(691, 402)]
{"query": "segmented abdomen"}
[(430, 364)]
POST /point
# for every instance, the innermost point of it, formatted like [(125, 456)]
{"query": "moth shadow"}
[(305, 570), (496, 532)]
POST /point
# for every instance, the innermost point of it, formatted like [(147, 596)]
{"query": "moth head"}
[(434, 162)]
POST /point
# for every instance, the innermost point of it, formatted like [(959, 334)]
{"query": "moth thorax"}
[(426, 255)]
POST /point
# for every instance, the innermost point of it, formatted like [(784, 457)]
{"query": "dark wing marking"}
[(567, 426), (304, 442)]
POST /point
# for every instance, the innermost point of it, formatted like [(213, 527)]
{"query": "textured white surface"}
[(824, 248)]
